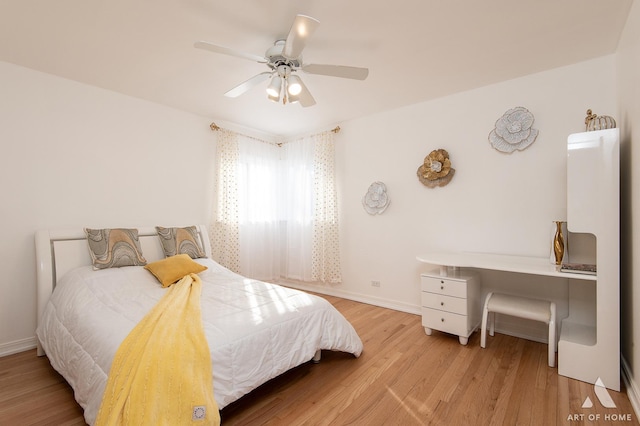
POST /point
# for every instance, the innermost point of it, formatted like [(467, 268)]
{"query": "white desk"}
[(499, 262), (582, 348)]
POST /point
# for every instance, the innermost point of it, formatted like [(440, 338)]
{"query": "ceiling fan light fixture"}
[(294, 85), (293, 98), (273, 90), (275, 99)]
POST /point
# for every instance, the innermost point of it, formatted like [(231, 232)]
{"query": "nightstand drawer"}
[(445, 321), (444, 303), (444, 286)]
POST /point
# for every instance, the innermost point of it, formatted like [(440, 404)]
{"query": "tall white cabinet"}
[(589, 343)]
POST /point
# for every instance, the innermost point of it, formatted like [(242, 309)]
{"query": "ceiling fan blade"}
[(302, 29), (227, 51), (243, 87), (341, 71), (304, 97)]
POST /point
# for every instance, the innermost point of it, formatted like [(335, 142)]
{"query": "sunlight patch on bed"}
[(280, 297)]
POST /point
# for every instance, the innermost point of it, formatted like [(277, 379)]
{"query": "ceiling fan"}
[(284, 60)]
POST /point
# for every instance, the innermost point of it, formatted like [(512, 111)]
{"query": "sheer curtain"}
[(276, 214), (326, 253), (224, 229), (259, 209), (297, 210)]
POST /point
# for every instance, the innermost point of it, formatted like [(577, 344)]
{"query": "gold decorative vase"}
[(558, 243)]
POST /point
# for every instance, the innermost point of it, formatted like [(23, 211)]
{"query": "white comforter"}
[(255, 330)]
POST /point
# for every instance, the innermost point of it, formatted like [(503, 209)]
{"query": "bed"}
[(255, 330)]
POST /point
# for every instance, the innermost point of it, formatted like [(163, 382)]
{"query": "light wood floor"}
[(404, 377)]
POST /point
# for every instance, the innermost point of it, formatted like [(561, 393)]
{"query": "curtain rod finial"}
[(214, 127), (336, 130)]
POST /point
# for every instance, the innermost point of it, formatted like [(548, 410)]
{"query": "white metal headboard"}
[(60, 250)]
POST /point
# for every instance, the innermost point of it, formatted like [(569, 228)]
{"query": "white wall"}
[(75, 155), (496, 202), (628, 66), (80, 156)]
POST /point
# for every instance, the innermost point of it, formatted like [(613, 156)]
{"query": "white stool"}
[(522, 307)]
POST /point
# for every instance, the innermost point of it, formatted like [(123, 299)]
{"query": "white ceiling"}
[(415, 50)]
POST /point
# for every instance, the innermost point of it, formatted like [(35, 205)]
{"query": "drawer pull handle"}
[(441, 287), (442, 319), (441, 303), (441, 282)]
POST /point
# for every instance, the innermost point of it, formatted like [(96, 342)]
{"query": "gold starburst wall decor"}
[(436, 169)]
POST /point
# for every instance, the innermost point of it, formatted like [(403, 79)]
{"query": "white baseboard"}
[(512, 327), (16, 346), (369, 300), (633, 391)]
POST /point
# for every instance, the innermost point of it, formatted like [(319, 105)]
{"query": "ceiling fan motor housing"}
[(277, 59)]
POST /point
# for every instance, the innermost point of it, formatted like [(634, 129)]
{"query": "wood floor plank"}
[(403, 377)]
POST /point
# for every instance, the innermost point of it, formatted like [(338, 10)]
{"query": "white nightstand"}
[(451, 304)]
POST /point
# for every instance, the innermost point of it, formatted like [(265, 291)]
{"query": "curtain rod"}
[(215, 127)]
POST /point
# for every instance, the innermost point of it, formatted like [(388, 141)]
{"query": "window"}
[(271, 215)]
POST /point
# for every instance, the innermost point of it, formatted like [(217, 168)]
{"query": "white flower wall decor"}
[(376, 200), (513, 131)]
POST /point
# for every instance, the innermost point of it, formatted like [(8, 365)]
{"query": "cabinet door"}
[(592, 169)]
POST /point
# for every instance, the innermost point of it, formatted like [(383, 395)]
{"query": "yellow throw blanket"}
[(161, 373)]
